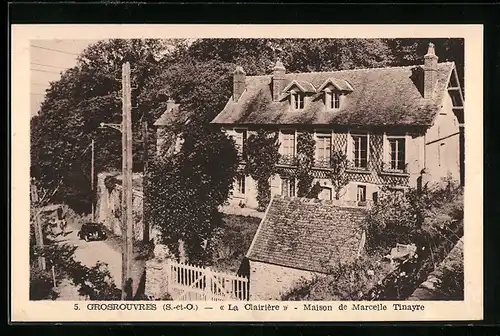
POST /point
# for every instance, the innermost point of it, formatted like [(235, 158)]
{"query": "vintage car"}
[(92, 231)]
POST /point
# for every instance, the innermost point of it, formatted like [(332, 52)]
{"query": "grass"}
[(238, 233)]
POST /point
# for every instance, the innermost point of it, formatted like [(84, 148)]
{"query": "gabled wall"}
[(442, 145)]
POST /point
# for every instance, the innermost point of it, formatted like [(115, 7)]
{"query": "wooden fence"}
[(189, 282)]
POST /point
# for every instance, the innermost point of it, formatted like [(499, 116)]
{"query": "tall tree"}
[(85, 96)]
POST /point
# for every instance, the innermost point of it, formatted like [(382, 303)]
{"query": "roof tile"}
[(309, 235), (380, 97)]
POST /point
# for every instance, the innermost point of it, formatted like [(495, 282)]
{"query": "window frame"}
[(323, 135), (333, 100), (244, 136), (291, 186), (297, 100), (284, 132), (388, 153), (238, 185), (364, 196), (351, 156)]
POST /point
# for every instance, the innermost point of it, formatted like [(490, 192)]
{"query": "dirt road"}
[(89, 253)]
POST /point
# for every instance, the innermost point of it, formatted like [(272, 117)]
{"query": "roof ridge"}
[(350, 70)]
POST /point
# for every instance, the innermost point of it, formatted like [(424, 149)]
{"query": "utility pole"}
[(92, 182), (145, 217), (38, 226), (127, 218)]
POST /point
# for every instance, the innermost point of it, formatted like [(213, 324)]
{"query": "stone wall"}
[(108, 208), (156, 279), (270, 282)]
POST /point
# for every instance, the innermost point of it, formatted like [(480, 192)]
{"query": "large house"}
[(398, 126)]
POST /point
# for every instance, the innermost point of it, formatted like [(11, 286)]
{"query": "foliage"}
[(186, 190), (41, 285), (94, 282), (415, 216), (451, 283), (305, 162), (345, 281), (74, 106), (430, 217), (110, 182), (337, 172), (233, 241), (262, 157)]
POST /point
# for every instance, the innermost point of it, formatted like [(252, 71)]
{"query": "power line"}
[(38, 94), (56, 50), (48, 65), (57, 73), (40, 84)]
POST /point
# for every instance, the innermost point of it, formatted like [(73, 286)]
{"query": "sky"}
[(48, 58)]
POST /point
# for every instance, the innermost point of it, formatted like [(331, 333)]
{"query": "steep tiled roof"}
[(307, 234), (380, 97)]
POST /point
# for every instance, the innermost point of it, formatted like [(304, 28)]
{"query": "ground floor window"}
[(361, 193), (240, 185), (288, 187)]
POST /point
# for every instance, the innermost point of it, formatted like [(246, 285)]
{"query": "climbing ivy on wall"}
[(262, 157), (337, 172), (305, 162)]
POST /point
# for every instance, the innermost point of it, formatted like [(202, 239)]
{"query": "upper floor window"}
[(240, 140), (397, 153), (297, 100), (323, 148), (333, 100), (360, 150), (288, 143)]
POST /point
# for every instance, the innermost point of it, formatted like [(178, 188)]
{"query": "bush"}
[(451, 284), (345, 281), (233, 240), (41, 285), (424, 217)]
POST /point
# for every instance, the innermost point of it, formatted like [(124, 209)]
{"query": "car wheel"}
[(86, 238), (79, 235)]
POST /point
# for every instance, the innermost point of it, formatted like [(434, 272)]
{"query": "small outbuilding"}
[(301, 238)]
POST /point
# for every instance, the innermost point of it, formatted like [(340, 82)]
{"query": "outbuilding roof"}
[(307, 234)]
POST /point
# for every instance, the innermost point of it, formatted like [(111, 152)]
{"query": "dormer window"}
[(335, 91), (297, 100), (332, 100)]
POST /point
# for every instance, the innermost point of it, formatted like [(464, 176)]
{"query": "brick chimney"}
[(278, 80), (239, 82), (430, 71)]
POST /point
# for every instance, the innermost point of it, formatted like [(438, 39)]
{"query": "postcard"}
[(252, 173)]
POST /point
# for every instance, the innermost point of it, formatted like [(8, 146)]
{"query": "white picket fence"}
[(189, 282)]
